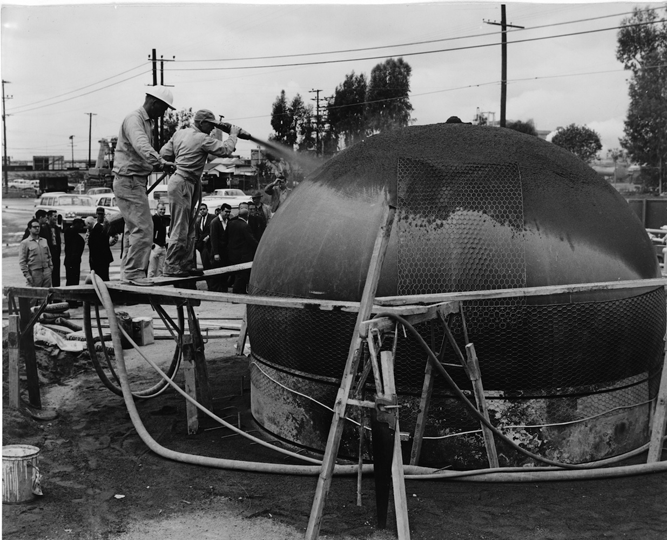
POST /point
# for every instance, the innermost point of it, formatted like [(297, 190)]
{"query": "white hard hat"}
[(162, 93)]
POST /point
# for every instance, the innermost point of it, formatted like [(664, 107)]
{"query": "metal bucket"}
[(21, 480)]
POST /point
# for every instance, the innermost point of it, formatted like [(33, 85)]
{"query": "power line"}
[(79, 89), (411, 44), (468, 47), (85, 94)]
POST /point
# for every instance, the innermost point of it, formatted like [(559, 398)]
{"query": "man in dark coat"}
[(98, 247), (203, 238), (258, 216), (74, 246), (54, 245), (219, 239), (241, 247)]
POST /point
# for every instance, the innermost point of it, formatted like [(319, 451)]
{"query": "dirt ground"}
[(100, 481)]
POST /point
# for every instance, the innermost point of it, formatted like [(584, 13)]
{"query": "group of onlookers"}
[(43, 241)]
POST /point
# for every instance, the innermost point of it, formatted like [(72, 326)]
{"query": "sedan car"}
[(97, 192), (233, 197), (68, 206)]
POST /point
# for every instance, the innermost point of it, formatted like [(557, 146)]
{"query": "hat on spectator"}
[(257, 195), (101, 210)]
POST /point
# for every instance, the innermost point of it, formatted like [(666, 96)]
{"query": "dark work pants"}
[(73, 274), (102, 271), (241, 280)]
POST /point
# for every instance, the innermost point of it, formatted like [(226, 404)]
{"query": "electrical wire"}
[(418, 53), (79, 89), (410, 44), (81, 95)]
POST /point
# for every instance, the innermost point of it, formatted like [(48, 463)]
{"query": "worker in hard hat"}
[(189, 148), (134, 160)]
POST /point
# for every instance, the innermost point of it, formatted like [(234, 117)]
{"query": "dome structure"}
[(477, 208)]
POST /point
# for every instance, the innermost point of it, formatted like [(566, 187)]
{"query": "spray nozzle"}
[(224, 126)]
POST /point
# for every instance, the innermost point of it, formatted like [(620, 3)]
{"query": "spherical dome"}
[(477, 208)]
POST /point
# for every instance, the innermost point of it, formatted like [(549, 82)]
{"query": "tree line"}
[(361, 106)]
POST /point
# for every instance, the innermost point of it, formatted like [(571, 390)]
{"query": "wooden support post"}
[(397, 475), (478, 389), (659, 418), (190, 384), (354, 352), (13, 350), (27, 348), (243, 334), (203, 390), (420, 424)]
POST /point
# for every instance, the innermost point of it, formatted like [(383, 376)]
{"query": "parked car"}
[(97, 192), (108, 202), (233, 197), (68, 206), (25, 186)]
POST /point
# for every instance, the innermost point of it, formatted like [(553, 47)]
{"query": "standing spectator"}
[(35, 258), (134, 160), (189, 148), (203, 236), (159, 251), (219, 257), (99, 248), (74, 246), (241, 247), (44, 230), (278, 191), (258, 216), (55, 246)]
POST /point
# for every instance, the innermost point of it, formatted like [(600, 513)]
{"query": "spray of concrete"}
[(277, 150)]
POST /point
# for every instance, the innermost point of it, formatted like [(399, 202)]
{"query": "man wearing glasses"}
[(35, 258)]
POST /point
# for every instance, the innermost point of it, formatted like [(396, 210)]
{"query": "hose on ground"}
[(411, 472), (113, 387)]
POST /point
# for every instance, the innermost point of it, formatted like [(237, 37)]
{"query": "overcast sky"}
[(65, 61)]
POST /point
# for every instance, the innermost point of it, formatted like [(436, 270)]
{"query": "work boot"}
[(139, 282)]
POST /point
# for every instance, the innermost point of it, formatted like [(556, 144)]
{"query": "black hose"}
[(116, 388)]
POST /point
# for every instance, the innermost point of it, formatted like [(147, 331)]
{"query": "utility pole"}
[(503, 71), (71, 140), (158, 127), (90, 132), (317, 117), (4, 137)]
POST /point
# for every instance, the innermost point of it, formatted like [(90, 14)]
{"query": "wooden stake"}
[(478, 389), (190, 384), (27, 347), (13, 350), (336, 430), (397, 475), (240, 342)]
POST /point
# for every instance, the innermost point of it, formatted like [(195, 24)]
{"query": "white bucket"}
[(21, 480)]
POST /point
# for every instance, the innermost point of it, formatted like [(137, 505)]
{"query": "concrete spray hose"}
[(509, 474)]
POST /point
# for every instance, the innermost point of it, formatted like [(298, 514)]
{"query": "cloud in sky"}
[(66, 61)]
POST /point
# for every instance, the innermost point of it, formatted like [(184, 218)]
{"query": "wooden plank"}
[(659, 418), (13, 352), (190, 383), (519, 292), (27, 348), (478, 390), (354, 352)]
